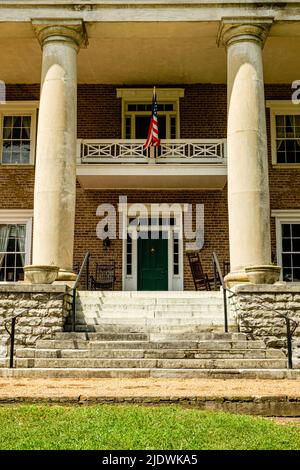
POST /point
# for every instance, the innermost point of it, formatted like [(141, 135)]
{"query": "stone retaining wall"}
[(47, 308), (257, 309), (277, 405)]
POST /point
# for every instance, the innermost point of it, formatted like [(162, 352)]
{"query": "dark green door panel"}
[(153, 264)]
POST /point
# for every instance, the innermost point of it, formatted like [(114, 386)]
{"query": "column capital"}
[(233, 30), (60, 30)]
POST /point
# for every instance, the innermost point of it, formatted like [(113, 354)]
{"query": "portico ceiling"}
[(146, 53)]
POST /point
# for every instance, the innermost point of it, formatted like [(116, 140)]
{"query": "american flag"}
[(153, 138)]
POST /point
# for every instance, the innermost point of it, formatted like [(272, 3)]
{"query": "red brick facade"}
[(203, 115)]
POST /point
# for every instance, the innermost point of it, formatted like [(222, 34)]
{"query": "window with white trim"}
[(18, 133), (15, 246), (137, 120), (285, 132), (288, 243), (137, 107), (291, 251)]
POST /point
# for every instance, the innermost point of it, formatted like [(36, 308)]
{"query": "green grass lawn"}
[(138, 427)]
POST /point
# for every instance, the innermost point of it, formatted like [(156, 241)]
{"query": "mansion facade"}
[(76, 92)]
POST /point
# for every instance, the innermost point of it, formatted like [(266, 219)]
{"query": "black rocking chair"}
[(104, 277), (200, 278)]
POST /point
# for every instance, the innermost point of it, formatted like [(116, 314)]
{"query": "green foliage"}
[(138, 427)]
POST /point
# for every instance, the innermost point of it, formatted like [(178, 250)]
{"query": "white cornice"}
[(286, 213), (148, 10)]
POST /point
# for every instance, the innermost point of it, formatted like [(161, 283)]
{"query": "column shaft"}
[(248, 188), (55, 177)]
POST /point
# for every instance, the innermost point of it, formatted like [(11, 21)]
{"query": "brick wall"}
[(202, 114), (284, 182), (216, 224)]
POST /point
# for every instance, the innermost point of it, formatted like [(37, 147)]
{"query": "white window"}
[(15, 244), (137, 120), (137, 108), (18, 133), (285, 132), (288, 243)]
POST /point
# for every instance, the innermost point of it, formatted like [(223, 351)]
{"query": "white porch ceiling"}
[(146, 53)]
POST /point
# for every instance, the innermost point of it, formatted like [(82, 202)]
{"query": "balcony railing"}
[(183, 151)]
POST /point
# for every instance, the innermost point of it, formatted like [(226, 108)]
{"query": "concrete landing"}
[(266, 398)]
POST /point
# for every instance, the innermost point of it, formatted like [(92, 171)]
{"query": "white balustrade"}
[(182, 151)]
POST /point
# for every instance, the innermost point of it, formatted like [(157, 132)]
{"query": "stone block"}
[(40, 297)]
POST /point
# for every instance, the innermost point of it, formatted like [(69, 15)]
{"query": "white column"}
[(248, 188), (55, 177)]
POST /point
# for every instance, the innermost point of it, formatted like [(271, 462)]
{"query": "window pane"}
[(26, 121), (287, 260), (296, 275), (287, 274), (286, 230), (286, 244), (16, 134), (296, 244), (296, 230), (296, 261), (7, 121), (6, 152)]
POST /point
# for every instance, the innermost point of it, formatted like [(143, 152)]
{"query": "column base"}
[(256, 274), (40, 274), (263, 274), (236, 277), (65, 275)]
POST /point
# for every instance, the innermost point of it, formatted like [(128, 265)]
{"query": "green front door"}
[(152, 264)]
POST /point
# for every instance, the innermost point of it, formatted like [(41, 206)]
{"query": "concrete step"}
[(140, 295), (149, 327), (96, 325), (150, 353), (274, 374), (112, 335), (153, 363), (166, 306), (148, 314), (109, 327)]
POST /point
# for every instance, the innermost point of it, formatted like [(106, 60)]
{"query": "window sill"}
[(286, 165), (16, 165)]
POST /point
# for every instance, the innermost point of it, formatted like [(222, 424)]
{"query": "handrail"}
[(217, 271), (85, 264), (11, 332), (291, 324)]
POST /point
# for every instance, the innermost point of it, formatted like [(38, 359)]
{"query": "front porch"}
[(92, 113)]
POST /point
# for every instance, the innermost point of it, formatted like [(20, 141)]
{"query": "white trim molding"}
[(283, 216), (20, 108), (280, 107), (144, 95), (20, 216), (175, 281)]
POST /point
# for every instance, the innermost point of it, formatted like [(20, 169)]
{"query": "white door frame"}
[(175, 281)]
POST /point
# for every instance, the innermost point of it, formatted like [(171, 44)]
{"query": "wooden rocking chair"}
[(200, 278), (104, 277)]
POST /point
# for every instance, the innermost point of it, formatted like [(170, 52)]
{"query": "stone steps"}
[(152, 363), (151, 327), (151, 309), (256, 373), (154, 353), (133, 334)]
